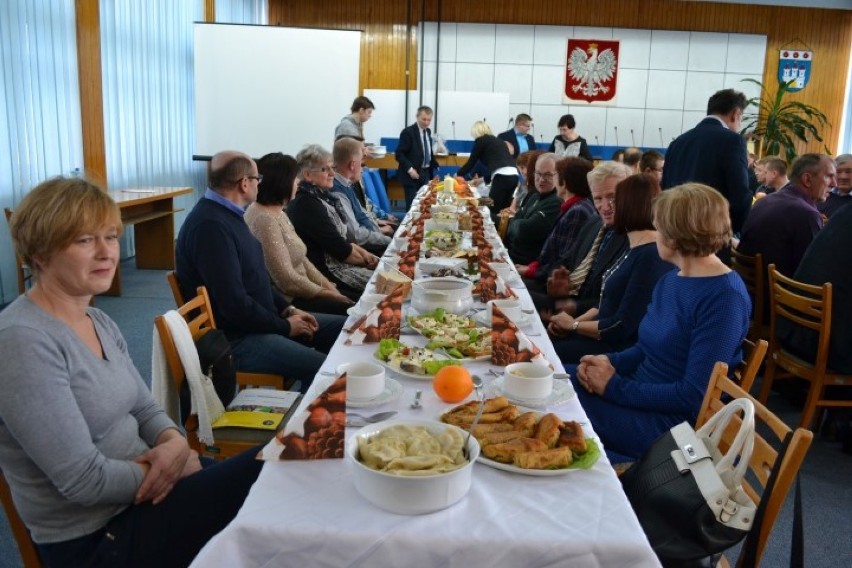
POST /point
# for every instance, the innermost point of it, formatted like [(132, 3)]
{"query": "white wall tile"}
[(591, 123), (515, 80), (545, 119), (632, 88), (514, 44), (447, 42), (691, 118), (478, 77), (635, 48), (746, 54), (669, 50), (708, 51), (551, 44), (446, 77), (475, 43), (661, 127), (625, 127), (592, 33), (427, 39), (699, 88), (548, 84), (665, 89), (735, 81)]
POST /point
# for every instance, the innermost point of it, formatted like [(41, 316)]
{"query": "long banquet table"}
[(308, 513)]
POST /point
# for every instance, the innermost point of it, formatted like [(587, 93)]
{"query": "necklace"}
[(610, 271)]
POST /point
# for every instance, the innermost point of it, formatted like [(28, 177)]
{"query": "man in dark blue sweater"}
[(216, 249)]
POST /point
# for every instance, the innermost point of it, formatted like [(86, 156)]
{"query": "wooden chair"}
[(25, 275), (199, 318), (503, 225), (174, 284), (764, 456), (28, 550), (750, 269), (809, 306), (753, 354)]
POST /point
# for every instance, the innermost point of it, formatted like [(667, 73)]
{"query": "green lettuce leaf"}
[(432, 367), (387, 347), (587, 460)]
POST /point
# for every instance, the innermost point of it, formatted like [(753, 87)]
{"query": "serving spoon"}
[(477, 384)]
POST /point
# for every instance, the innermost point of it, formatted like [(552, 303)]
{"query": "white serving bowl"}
[(364, 380), (528, 381), (410, 495), (453, 294)]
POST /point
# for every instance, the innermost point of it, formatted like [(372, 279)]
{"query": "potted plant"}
[(778, 123)]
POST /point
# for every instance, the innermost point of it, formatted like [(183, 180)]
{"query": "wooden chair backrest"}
[(174, 285), (764, 456), (750, 269), (24, 274), (28, 550), (753, 354), (807, 305)]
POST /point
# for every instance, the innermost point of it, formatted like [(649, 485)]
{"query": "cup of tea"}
[(502, 269), (364, 380), (528, 381), (511, 307), (369, 301)]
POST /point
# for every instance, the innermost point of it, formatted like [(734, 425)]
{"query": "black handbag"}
[(687, 495)]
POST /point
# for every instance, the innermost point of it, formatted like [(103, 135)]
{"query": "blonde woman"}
[(498, 163)]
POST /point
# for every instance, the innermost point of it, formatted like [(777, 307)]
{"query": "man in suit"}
[(715, 154), (575, 286), (415, 155), (518, 137)]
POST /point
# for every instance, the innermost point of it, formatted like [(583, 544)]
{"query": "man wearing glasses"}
[(216, 249), (534, 220)]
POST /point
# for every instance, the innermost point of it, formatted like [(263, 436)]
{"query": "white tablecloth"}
[(309, 513)]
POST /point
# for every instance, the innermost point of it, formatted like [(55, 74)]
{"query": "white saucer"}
[(393, 389), (525, 319), (562, 390)]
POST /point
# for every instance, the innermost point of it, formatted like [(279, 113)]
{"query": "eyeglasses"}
[(259, 178), (545, 175), (324, 169)]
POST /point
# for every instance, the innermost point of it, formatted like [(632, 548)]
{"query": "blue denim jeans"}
[(272, 353)]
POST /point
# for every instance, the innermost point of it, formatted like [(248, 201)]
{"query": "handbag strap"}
[(743, 444), (748, 556)]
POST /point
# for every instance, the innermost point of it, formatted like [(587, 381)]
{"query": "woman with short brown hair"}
[(698, 315)]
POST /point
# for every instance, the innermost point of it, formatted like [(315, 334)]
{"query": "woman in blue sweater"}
[(698, 315), (627, 285)]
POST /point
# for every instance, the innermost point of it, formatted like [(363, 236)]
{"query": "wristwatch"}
[(288, 311), (574, 326)]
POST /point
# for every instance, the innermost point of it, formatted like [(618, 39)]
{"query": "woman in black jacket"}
[(497, 159)]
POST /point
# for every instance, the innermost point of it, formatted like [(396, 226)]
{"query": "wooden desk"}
[(151, 210), (388, 161)]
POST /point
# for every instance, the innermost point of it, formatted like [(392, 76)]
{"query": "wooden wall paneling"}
[(827, 32), (91, 90)]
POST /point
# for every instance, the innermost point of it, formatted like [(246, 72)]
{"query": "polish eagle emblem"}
[(591, 70)]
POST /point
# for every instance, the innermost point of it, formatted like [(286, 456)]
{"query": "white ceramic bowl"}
[(410, 495), (364, 380), (453, 294), (528, 381)]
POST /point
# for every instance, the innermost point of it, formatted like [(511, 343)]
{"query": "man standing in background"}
[(714, 153), (415, 155), (519, 137)]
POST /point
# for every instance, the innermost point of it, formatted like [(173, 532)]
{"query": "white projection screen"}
[(261, 89)]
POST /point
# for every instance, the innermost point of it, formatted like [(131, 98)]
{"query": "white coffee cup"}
[(503, 269), (528, 381), (369, 301), (364, 380), (400, 243), (510, 307)]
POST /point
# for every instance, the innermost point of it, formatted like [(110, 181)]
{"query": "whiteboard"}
[(457, 111), (261, 89)]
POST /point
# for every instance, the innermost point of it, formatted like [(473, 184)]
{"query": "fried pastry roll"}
[(505, 452), (554, 458), (526, 423), (571, 436), (482, 429), (500, 437), (548, 429)]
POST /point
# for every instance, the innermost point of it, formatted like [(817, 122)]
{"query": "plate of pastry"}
[(523, 441)]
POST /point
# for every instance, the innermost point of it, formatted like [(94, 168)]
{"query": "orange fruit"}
[(452, 383)]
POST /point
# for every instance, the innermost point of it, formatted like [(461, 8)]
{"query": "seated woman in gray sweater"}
[(98, 472)]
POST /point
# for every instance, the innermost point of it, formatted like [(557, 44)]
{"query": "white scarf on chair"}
[(205, 402)]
